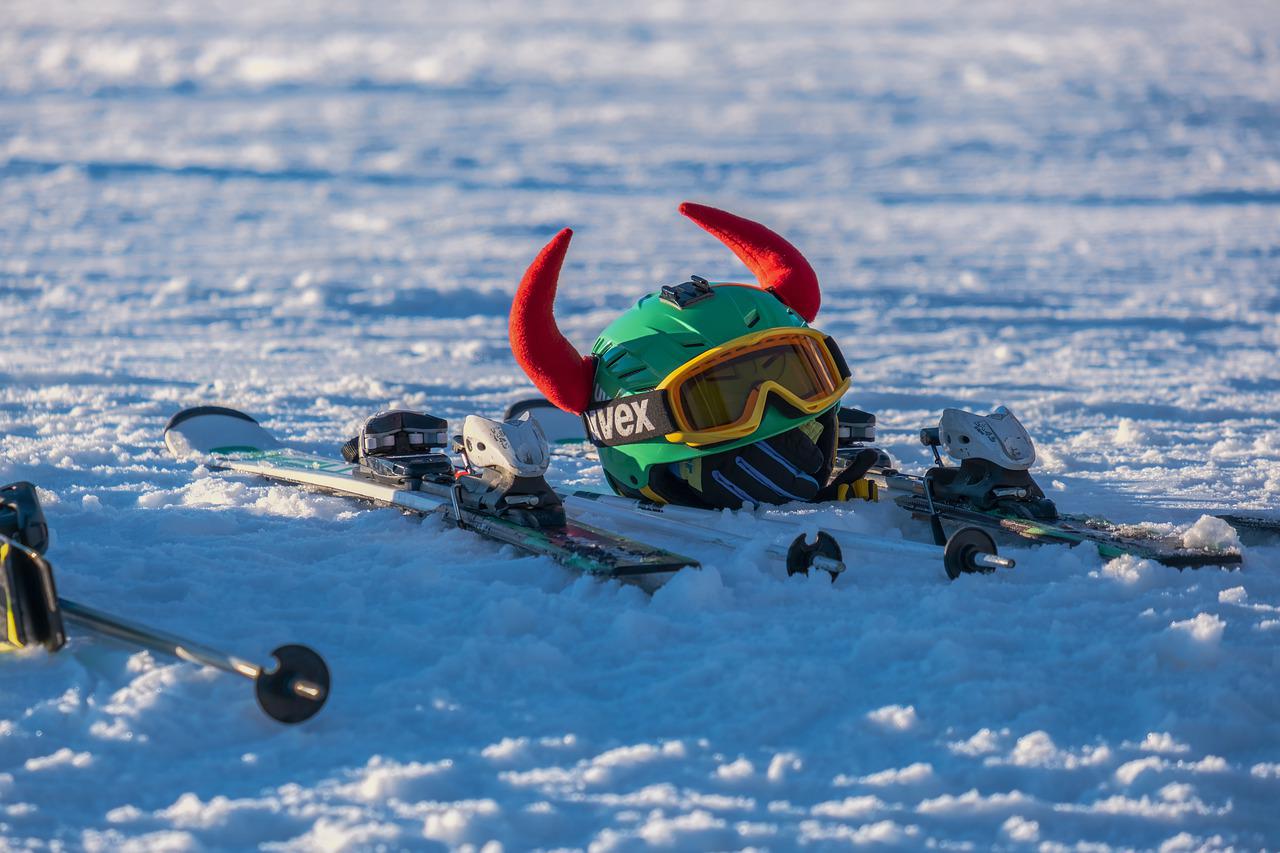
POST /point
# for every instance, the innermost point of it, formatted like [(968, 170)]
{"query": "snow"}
[(312, 211)]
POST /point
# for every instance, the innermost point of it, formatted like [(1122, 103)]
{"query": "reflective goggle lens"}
[(722, 394)]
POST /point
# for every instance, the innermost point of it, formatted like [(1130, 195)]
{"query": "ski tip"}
[(214, 429), (559, 427), (197, 411)]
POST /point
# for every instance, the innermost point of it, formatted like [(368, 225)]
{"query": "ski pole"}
[(967, 550), (292, 692)]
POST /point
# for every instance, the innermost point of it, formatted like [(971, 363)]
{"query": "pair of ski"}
[(234, 441), (237, 442), (1003, 502)]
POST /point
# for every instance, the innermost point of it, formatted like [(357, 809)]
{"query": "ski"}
[(1111, 539), (1253, 529), (237, 442), (992, 488)]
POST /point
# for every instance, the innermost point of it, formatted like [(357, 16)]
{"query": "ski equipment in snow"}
[(1014, 512), (32, 615), (490, 498)]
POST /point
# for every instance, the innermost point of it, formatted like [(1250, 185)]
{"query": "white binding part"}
[(997, 437), (517, 446)]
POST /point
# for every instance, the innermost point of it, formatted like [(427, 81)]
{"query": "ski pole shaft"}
[(157, 641), (883, 545), (294, 691), (860, 542)]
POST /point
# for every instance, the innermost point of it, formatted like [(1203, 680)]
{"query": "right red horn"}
[(777, 265)]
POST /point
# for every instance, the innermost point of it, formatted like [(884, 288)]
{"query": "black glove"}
[(778, 470)]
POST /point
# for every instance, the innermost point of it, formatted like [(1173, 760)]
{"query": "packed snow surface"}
[(310, 211)]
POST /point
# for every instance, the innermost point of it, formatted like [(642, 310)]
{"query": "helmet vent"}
[(628, 370), (753, 317), (615, 356)]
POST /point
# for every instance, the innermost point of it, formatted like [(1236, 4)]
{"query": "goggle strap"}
[(628, 420)]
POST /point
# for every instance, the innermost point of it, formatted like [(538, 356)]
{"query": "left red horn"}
[(561, 373)]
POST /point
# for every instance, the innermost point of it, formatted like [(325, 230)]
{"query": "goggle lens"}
[(721, 395)]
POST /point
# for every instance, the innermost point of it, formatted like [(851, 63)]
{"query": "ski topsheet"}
[(239, 443)]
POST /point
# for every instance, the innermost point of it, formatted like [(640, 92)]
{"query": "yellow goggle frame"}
[(817, 351)]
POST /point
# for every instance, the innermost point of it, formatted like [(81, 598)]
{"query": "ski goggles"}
[(722, 394)]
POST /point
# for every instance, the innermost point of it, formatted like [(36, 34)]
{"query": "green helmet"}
[(660, 334), (642, 347)]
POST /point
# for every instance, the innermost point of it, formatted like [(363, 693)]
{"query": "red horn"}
[(776, 264), (563, 375)]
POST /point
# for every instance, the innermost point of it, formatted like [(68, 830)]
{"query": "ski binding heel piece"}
[(516, 447)]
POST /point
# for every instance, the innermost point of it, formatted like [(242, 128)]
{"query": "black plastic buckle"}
[(688, 292), (21, 517)]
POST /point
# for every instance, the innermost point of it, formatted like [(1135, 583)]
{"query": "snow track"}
[(311, 213)]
